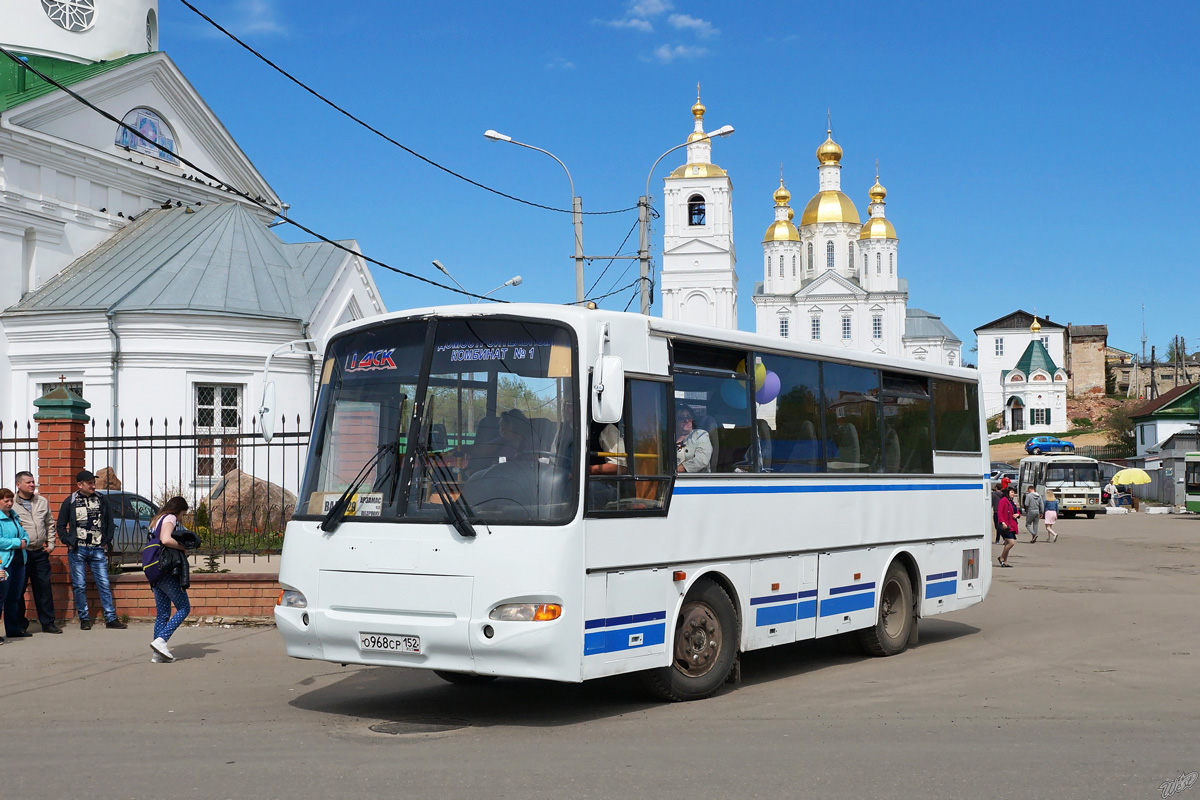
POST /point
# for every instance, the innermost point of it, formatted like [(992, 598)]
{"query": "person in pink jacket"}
[(1009, 520)]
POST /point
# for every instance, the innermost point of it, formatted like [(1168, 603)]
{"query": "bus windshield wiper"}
[(455, 505), (337, 512)]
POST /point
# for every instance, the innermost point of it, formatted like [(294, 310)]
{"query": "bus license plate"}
[(1074, 508), (386, 643)]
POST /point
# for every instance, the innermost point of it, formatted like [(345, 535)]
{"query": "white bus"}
[(1191, 477), (1075, 481), (496, 491)]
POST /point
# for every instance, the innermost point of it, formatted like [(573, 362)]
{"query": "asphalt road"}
[(1075, 679)]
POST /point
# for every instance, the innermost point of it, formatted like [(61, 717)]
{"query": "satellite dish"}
[(266, 412)]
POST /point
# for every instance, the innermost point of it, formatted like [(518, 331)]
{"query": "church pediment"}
[(154, 96), (695, 247), (830, 284)]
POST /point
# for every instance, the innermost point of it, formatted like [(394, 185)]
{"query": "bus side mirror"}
[(266, 412), (608, 389)]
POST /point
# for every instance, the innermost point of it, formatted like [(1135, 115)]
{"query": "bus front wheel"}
[(889, 635), (703, 648)]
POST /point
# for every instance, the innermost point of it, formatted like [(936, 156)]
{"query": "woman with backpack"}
[(167, 588)]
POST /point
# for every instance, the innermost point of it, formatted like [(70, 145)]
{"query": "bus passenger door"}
[(783, 600)]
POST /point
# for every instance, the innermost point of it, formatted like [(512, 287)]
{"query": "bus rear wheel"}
[(703, 647), (1091, 515), (464, 678), (889, 635)]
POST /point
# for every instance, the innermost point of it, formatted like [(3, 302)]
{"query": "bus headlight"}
[(527, 612), (290, 598)]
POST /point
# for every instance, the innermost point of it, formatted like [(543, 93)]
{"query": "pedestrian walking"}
[(997, 493), (1111, 494), (1051, 515), (33, 511), (170, 588), (1033, 512), (13, 542), (85, 526), (1009, 519)]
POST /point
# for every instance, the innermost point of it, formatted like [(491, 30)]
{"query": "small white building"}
[(1034, 390), (1002, 342)]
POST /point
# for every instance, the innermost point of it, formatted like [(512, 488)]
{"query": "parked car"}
[(1048, 444), (131, 522), (1000, 469)]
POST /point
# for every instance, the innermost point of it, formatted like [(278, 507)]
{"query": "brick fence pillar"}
[(61, 431)]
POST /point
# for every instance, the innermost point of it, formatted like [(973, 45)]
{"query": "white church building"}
[(152, 291), (833, 280)]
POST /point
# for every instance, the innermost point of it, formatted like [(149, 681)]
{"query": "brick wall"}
[(230, 596), (1087, 365)]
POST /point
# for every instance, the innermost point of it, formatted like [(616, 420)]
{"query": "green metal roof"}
[(1035, 357), (18, 85)]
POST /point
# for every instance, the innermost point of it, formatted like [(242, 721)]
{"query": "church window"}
[(816, 329), (783, 327), (74, 386), (847, 330), (891, 263), (1039, 416), (150, 135), (829, 255), (768, 266), (218, 423), (695, 210), (877, 327), (850, 256), (864, 264), (950, 358), (999, 345), (878, 263), (71, 15), (810, 257), (1046, 342), (781, 266), (793, 265)]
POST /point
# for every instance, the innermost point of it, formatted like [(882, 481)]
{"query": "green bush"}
[(993, 424), (201, 518), (1081, 422)]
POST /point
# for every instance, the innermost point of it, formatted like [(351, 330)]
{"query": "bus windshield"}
[(478, 412), (1073, 474)]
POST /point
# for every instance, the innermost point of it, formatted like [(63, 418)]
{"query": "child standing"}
[(1051, 514)]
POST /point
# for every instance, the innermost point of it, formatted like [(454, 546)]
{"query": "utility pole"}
[(644, 250), (1153, 392)]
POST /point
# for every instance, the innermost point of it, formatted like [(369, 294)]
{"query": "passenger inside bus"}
[(694, 446)]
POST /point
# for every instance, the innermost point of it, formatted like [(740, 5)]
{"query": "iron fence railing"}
[(1106, 452), (18, 451)]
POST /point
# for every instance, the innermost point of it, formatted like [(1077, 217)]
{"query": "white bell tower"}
[(699, 279), (83, 31)]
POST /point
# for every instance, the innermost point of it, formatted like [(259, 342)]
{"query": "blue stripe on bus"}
[(940, 589), (857, 587), (628, 619), (820, 489), (775, 615), (772, 598), (851, 602), (612, 641), (938, 576)]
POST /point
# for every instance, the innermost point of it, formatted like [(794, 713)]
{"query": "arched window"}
[(154, 136), (810, 257), (768, 266), (695, 210), (793, 265), (783, 327), (891, 263), (864, 264), (950, 358), (781, 266), (850, 256), (878, 263), (829, 255)]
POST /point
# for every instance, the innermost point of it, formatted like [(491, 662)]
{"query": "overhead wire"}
[(380, 133), (611, 260), (233, 189)]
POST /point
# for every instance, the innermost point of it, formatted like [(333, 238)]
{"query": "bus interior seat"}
[(487, 429), (543, 432), (709, 423), (891, 450), (437, 437), (845, 440), (765, 448)]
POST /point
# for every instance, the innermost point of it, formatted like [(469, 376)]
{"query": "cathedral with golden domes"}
[(833, 280)]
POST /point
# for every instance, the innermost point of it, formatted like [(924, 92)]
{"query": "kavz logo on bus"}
[(376, 359)]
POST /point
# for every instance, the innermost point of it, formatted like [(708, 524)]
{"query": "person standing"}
[(169, 588), (85, 526), (33, 511), (1051, 515), (1111, 491), (1009, 519), (13, 543), (1033, 512), (997, 493)]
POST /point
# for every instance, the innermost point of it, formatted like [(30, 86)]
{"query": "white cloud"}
[(649, 8), (256, 16), (703, 28), (633, 24), (666, 53), (558, 62)]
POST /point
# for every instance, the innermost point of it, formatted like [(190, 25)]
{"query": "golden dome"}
[(791, 213), (1035, 327), (697, 136), (698, 109), (781, 231), (829, 206), (830, 152), (782, 195), (877, 192), (877, 228), (698, 171)]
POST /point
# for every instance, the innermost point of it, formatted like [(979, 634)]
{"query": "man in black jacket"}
[(85, 526)]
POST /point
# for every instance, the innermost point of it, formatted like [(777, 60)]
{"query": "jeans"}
[(16, 585), (166, 592), (1031, 524), (37, 571), (97, 559)]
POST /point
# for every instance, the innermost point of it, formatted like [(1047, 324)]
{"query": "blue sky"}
[(1035, 154)]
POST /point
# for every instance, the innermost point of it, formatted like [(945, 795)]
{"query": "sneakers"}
[(116, 623), (85, 624), (155, 658), (159, 646), (51, 628)]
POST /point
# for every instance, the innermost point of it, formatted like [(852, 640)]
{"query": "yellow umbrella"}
[(1130, 476)]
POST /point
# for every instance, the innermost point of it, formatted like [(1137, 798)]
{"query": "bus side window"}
[(630, 463), (713, 386)]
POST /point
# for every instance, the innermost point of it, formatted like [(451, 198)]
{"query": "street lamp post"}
[(513, 281), (576, 207), (644, 218)]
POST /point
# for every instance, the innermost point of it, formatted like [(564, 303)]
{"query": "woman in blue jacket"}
[(13, 541)]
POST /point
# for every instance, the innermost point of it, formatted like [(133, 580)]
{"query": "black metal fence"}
[(1106, 452), (241, 490)]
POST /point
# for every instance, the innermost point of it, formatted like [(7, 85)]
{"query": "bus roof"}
[(585, 318)]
